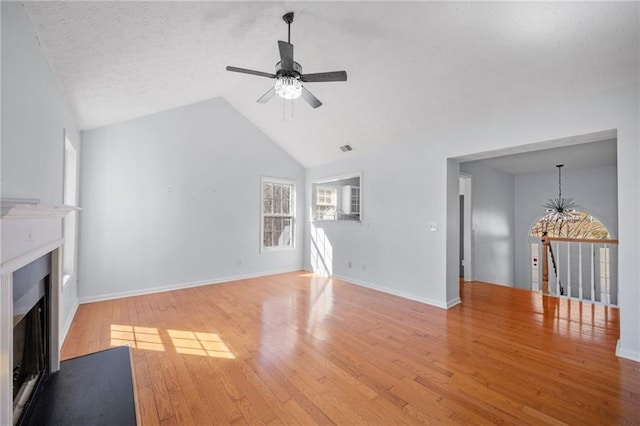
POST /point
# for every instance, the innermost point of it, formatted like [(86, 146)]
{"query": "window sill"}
[(276, 249), (337, 220)]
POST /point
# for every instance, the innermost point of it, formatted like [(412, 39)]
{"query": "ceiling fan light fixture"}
[(288, 87)]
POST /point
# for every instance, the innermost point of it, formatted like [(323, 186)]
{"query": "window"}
[(70, 220), (277, 214), (338, 198), (577, 225)]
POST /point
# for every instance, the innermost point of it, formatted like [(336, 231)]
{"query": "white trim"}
[(393, 292), (633, 355), (179, 286), (24, 259), (66, 326), (21, 208), (6, 352), (454, 302)]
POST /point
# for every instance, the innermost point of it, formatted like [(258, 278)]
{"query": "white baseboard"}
[(150, 290), (633, 355), (402, 294), (453, 302), (67, 323)]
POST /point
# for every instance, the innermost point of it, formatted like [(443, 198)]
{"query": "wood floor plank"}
[(298, 349)]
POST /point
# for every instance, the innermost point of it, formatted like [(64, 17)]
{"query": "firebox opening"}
[(31, 331)]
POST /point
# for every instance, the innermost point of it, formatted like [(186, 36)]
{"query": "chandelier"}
[(559, 209)]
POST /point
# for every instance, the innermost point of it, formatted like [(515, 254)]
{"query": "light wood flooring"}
[(300, 349)]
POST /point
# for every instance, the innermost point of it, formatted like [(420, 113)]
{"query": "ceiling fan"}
[(289, 76)]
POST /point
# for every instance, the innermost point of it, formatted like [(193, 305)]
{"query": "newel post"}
[(545, 263)]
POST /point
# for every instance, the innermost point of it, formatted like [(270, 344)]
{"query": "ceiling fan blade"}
[(252, 72), (267, 96), (324, 76), (286, 55), (310, 99)]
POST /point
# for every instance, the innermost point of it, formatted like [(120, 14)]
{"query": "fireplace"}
[(30, 300), (31, 335)]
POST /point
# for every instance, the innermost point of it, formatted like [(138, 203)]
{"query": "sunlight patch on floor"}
[(197, 343), (136, 337), (183, 341)]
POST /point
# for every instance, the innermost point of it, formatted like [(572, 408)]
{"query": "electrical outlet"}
[(239, 262), (350, 264)]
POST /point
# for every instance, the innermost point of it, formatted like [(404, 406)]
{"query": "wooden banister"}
[(545, 266), (579, 240)]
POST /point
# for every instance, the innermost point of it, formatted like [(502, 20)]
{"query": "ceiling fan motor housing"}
[(296, 70)]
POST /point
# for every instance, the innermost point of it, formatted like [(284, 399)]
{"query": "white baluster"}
[(568, 269), (593, 282), (580, 270), (558, 268)]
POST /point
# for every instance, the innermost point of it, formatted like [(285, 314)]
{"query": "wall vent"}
[(346, 148)]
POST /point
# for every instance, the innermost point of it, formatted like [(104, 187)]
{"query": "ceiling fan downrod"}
[(288, 18)]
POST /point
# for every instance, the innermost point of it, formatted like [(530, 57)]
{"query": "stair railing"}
[(600, 271)]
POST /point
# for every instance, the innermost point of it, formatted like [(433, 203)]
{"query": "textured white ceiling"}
[(412, 66)]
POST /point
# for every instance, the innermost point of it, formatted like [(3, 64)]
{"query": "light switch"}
[(433, 227)]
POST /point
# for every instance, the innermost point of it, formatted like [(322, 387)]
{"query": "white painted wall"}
[(35, 116), (595, 190), (173, 200), (406, 186), (576, 114), (392, 249), (493, 214)]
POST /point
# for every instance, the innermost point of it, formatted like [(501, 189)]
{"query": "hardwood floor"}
[(300, 349)]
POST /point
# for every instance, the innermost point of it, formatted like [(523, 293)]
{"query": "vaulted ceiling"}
[(412, 66)]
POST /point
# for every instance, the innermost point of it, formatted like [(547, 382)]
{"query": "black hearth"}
[(31, 333)]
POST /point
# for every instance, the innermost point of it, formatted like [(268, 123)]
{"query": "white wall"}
[(392, 249), (407, 186), (492, 212), (35, 116), (173, 200), (595, 190)]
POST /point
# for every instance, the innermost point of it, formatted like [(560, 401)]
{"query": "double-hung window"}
[(278, 208)]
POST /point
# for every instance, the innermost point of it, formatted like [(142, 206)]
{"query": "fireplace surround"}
[(30, 230)]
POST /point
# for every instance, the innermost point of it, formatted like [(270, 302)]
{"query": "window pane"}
[(277, 206), (268, 190)]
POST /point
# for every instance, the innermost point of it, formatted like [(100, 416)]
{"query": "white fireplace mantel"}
[(33, 208), (30, 229)]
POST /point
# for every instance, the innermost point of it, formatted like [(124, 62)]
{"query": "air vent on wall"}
[(346, 148)]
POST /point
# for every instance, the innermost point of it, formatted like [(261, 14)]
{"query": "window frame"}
[(70, 221), (292, 214)]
